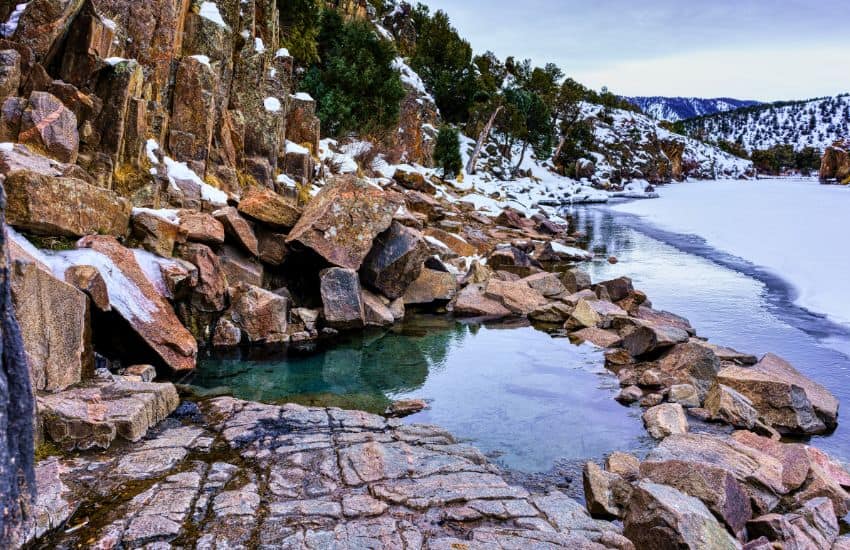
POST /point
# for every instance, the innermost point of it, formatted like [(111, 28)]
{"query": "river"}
[(760, 266), (531, 401)]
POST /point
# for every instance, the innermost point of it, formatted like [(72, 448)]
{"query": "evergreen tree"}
[(300, 23), (447, 152), (444, 61), (355, 85)]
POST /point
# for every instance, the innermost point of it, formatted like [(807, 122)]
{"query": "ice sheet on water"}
[(795, 228)]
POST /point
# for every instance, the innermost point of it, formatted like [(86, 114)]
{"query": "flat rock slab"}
[(235, 473), (95, 414)]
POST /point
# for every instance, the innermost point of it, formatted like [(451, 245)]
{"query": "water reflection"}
[(726, 299), (518, 394)]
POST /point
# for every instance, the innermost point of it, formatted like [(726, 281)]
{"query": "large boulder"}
[(377, 312), (133, 296), (835, 164), (267, 207), (726, 405), (64, 207), (605, 493), (260, 314), (342, 298), (272, 246), (715, 486), (665, 420), (238, 266), (395, 260), (342, 221), (594, 313), (201, 227), (760, 474), (155, 232), (210, 293), (449, 243), (54, 321), (659, 517), (784, 398), (517, 296), (10, 73), (238, 229), (472, 302), (94, 415), (647, 337), (689, 363), (432, 286), (48, 126), (813, 525), (193, 111)]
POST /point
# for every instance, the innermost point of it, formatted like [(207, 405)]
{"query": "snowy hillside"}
[(815, 123), (674, 109), (628, 144)]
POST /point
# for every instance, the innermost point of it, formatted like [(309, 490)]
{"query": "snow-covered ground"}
[(795, 228)]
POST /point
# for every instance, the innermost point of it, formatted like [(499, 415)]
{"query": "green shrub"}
[(355, 85), (300, 22), (447, 152)]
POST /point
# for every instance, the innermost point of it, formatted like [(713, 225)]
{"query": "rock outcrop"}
[(342, 221), (54, 319), (787, 400), (137, 300), (835, 164)]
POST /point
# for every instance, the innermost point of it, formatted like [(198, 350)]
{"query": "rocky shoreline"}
[(167, 193)]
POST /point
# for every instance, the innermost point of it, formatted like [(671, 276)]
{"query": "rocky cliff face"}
[(93, 82)]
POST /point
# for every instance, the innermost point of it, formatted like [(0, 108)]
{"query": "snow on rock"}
[(115, 60), (168, 214), (152, 266), (303, 96), (570, 251), (329, 152), (292, 147), (202, 59), (181, 171), (283, 52), (259, 46), (410, 78), (209, 11), (124, 295), (151, 147), (283, 179), (272, 104), (8, 28)]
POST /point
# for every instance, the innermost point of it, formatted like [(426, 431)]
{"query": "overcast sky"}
[(749, 49)]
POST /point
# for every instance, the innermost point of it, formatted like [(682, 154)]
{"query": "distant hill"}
[(674, 109), (814, 123)]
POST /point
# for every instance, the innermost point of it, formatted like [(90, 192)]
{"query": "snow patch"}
[(209, 11), (202, 59), (272, 104), (8, 28)]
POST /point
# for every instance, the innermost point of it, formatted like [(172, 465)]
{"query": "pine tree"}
[(447, 152)]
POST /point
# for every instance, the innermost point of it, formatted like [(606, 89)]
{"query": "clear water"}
[(521, 396), (530, 400)]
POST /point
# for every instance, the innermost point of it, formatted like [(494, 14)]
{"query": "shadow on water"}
[(526, 399), (728, 299)]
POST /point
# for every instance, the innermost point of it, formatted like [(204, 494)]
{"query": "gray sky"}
[(749, 49)]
